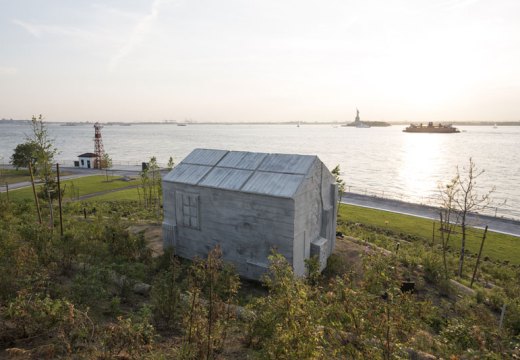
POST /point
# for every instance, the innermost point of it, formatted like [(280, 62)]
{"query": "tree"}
[(44, 155), (448, 193), (155, 189), (151, 184), (170, 164), (465, 200), (286, 322), (341, 183), (106, 163), (24, 154)]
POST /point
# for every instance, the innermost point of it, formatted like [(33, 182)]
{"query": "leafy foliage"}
[(287, 320), (131, 336), (72, 296), (24, 154), (212, 289), (166, 294)]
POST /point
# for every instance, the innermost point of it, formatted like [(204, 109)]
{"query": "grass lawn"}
[(497, 246), (80, 186), (127, 194)]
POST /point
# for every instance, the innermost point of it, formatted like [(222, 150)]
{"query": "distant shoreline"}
[(174, 123)]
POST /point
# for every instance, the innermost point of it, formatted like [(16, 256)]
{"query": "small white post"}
[(502, 317)]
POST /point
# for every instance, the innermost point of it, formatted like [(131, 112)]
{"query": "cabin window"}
[(82, 162), (187, 206)]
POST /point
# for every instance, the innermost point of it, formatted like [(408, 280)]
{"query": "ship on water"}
[(431, 128)]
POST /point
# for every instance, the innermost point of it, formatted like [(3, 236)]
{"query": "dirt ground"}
[(152, 235)]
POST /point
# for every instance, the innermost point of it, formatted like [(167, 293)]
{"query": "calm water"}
[(379, 161)]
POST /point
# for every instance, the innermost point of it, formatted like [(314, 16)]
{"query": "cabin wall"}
[(247, 226), (315, 215), (169, 222)]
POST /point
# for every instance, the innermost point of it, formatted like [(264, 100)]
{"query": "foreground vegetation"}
[(86, 294)]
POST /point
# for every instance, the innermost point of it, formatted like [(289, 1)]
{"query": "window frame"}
[(187, 205)]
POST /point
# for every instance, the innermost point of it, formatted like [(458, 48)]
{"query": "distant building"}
[(251, 203), (86, 160)]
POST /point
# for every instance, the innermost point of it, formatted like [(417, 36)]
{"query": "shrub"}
[(90, 286), (132, 336), (496, 298), (207, 319), (286, 324), (512, 317), (459, 335), (35, 315), (433, 268), (166, 295)]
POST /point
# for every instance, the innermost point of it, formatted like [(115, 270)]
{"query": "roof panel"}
[(283, 185), (242, 160), (287, 163), (187, 173), (260, 173), (226, 178), (204, 157)]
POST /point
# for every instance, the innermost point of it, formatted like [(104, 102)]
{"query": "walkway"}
[(500, 225)]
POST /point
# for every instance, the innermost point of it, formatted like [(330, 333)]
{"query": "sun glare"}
[(419, 164)]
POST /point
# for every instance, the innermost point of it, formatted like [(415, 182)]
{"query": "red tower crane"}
[(98, 146)]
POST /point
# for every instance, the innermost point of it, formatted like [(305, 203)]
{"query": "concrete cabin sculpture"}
[(250, 203)]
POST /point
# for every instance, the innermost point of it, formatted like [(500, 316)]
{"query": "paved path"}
[(500, 225), (25, 184), (77, 173)]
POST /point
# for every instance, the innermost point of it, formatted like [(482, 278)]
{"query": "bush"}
[(207, 320), (128, 336), (512, 317), (123, 245), (496, 298), (166, 295), (35, 315), (459, 336), (286, 325), (90, 286), (433, 268)]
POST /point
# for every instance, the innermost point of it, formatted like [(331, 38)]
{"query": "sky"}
[(260, 60)]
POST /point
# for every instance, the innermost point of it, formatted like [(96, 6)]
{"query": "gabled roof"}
[(259, 173), (88, 155)]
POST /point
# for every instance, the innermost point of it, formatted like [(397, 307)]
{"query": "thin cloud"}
[(142, 29), (32, 29), (39, 30)]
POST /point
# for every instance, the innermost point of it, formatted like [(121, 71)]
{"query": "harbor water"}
[(379, 161)]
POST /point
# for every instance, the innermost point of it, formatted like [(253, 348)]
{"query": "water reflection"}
[(419, 171)]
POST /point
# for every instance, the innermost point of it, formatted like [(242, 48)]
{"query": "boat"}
[(431, 128)]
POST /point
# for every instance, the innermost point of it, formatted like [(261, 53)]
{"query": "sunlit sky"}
[(260, 60)]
